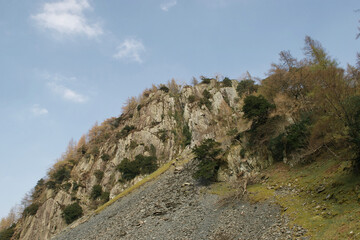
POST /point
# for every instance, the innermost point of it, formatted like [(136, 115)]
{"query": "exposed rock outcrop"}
[(158, 125)]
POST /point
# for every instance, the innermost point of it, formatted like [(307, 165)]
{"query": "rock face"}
[(175, 207), (158, 125)]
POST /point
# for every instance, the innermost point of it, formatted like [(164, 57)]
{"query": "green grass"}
[(333, 218)]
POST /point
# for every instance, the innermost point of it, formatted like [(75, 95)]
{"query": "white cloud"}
[(67, 93), (38, 111), (58, 83), (167, 5), (66, 17), (130, 50)]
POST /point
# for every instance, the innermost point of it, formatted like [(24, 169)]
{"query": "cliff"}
[(163, 123)]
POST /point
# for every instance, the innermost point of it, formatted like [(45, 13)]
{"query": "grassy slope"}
[(320, 197)]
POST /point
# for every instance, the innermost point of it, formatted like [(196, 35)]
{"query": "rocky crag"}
[(165, 122)]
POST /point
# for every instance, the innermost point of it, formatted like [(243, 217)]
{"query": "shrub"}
[(246, 87), (239, 136), (207, 94), (191, 98), (164, 88), (96, 192), (99, 174), (227, 82), (66, 186), (95, 151), (141, 165), (133, 144), (60, 175), (162, 133), (139, 107), (38, 189), (242, 153), (129, 169), (75, 186), (105, 196), (105, 157), (296, 135), (276, 147), (352, 108), (294, 138), (125, 131), (116, 122), (147, 164), (187, 135), (31, 209), (72, 212), (257, 109), (51, 185), (7, 234), (152, 150), (207, 156), (206, 99), (205, 80)]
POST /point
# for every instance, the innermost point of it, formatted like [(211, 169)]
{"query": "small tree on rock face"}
[(209, 160), (96, 192), (129, 169), (256, 109), (72, 212), (62, 174), (7, 234), (31, 209), (246, 86), (227, 82)]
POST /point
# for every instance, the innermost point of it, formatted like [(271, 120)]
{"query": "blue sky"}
[(66, 64)]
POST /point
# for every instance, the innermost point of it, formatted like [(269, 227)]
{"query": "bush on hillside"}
[(191, 98), (257, 109), (105, 157), (352, 108), (147, 164), (99, 174), (277, 146), (38, 189), (31, 209), (208, 157), (296, 135), (60, 175), (227, 82), (125, 131), (129, 169), (96, 192), (246, 87), (141, 165), (187, 135), (7, 234), (105, 196), (164, 88), (294, 138), (205, 80), (51, 184), (206, 99), (72, 212)]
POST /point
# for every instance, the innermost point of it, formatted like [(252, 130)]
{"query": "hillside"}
[(176, 207), (162, 125), (219, 159)]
